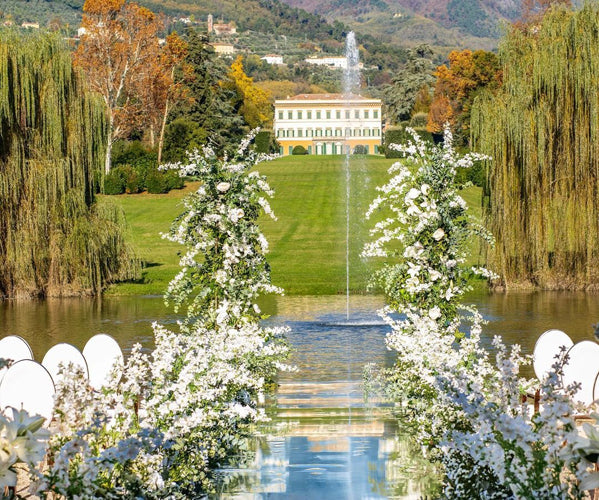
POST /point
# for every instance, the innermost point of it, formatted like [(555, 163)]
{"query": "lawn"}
[(308, 241)]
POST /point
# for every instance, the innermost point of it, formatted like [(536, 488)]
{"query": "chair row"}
[(31, 385), (582, 363)]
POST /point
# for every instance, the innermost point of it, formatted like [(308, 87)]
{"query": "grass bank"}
[(307, 242)]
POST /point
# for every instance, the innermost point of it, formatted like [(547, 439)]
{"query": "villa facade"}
[(328, 124)]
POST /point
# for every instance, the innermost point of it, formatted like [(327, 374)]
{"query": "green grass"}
[(307, 242)]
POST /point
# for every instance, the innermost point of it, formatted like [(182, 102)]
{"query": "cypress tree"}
[(542, 131), (55, 240)]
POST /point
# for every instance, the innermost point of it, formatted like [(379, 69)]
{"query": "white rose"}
[(438, 234), (412, 194), (434, 313), (223, 187), (425, 189)]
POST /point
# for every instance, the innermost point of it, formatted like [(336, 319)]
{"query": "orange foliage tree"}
[(255, 108), (119, 43), (160, 86), (458, 85)]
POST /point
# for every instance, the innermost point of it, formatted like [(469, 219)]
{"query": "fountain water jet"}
[(351, 82)]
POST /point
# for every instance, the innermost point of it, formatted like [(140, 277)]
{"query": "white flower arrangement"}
[(177, 413)]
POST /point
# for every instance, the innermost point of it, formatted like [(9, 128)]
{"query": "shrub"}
[(399, 135), (132, 178), (114, 182), (174, 180), (157, 182), (360, 150), (182, 135), (419, 120), (299, 150), (265, 142)]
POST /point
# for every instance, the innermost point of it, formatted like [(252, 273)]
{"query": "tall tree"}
[(255, 105), (54, 238), (416, 74), (120, 40), (458, 85), (160, 86), (542, 131), (208, 114)]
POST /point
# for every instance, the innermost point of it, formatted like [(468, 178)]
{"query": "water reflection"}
[(323, 441)]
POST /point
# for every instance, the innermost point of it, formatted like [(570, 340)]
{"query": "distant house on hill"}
[(273, 59), (335, 62), (222, 49), (224, 29), (328, 124), (31, 25)]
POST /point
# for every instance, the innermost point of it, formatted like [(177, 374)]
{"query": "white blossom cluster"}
[(466, 411), (176, 414), (22, 440)]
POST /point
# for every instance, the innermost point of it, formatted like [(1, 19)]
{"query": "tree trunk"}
[(162, 128), (108, 159)]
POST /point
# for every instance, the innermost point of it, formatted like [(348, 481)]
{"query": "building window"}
[(375, 114), (327, 132), (280, 115), (290, 132), (366, 113), (338, 132), (348, 132), (328, 115), (318, 115), (299, 115), (347, 114), (356, 114), (338, 115), (300, 132), (356, 132), (318, 132), (309, 113), (309, 150), (377, 132), (367, 132), (309, 132), (290, 150)]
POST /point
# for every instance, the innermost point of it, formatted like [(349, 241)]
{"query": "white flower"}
[(438, 234), (412, 194), (223, 187), (434, 313)]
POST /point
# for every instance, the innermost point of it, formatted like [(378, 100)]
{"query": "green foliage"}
[(419, 120), (359, 150), (299, 150), (181, 135), (157, 182), (399, 135), (215, 108), (542, 131), (265, 142), (54, 240), (400, 96), (114, 182), (471, 17)]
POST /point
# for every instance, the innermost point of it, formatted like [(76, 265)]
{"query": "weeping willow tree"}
[(55, 240), (542, 131)]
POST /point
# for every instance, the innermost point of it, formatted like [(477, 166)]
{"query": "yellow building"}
[(328, 123)]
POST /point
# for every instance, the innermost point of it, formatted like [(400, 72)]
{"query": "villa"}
[(328, 124)]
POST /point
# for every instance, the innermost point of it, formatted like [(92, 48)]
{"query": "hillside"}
[(444, 24), (441, 23)]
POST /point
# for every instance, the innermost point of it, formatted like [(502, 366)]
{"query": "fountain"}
[(351, 82)]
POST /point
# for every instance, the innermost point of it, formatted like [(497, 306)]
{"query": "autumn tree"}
[(120, 41), (160, 86), (458, 85), (255, 102)]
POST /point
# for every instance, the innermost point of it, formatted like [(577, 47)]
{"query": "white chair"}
[(28, 385), (65, 354), (582, 367), (101, 353), (546, 349), (15, 348)]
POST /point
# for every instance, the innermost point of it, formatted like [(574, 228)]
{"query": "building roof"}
[(325, 97)]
